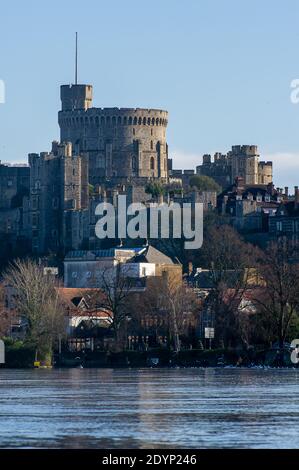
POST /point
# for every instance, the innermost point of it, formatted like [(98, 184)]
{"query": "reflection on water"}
[(105, 408)]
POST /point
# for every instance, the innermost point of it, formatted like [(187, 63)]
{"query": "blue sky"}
[(222, 70)]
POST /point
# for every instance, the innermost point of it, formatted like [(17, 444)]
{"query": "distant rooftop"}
[(107, 253)]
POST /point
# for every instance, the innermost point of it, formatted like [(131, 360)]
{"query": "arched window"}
[(152, 145), (152, 163)]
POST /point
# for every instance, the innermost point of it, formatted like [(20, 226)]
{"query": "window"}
[(152, 163), (279, 226), (152, 145), (134, 163), (55, 203)]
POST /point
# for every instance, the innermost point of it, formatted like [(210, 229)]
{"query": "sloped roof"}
[(152, 255)]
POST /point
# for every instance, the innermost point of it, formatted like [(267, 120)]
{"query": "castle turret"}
[(75, 97)]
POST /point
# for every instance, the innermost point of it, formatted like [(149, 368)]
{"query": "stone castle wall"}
[(120, 142)]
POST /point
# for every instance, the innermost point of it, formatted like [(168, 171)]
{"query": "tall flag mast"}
[(76, 61)]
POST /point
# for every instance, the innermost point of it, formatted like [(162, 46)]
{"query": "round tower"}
[(120, 142)]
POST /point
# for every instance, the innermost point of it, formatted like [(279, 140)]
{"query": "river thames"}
[(149, 408)]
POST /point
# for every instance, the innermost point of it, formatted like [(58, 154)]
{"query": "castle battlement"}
[(120, 142)]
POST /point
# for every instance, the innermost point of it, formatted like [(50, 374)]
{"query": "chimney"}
[(286, 191)]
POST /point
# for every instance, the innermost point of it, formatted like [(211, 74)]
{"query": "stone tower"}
[(120, 142), (58, 198), (244, 163)]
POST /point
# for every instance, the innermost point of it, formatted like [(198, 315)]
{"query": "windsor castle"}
[(49, 206)]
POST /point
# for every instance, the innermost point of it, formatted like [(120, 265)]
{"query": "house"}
[(86, 269), (286, 220), (87, 326)]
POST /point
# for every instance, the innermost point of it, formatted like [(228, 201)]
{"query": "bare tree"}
[(37, 300), (172, 304), (229, 260), (7, 316), (113, 296), (279, 302)]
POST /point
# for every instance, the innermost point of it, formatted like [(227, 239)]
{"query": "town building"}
[(87, 269)]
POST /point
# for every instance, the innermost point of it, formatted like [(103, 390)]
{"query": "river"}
[(149, 408)]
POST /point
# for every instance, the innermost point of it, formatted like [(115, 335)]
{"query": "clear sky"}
[(221, 68)]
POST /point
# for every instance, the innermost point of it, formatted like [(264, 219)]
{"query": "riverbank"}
[(24, 357)]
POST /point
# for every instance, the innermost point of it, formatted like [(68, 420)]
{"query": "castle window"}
[(151, 131), (144, 121), (152, 145), (74, 172), (152, 162), (134, 163), (279, 226), (130, 120), (133, 131), (135, 121), (55, 203)]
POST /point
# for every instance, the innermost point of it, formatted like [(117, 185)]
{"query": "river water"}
[(149, 408)]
